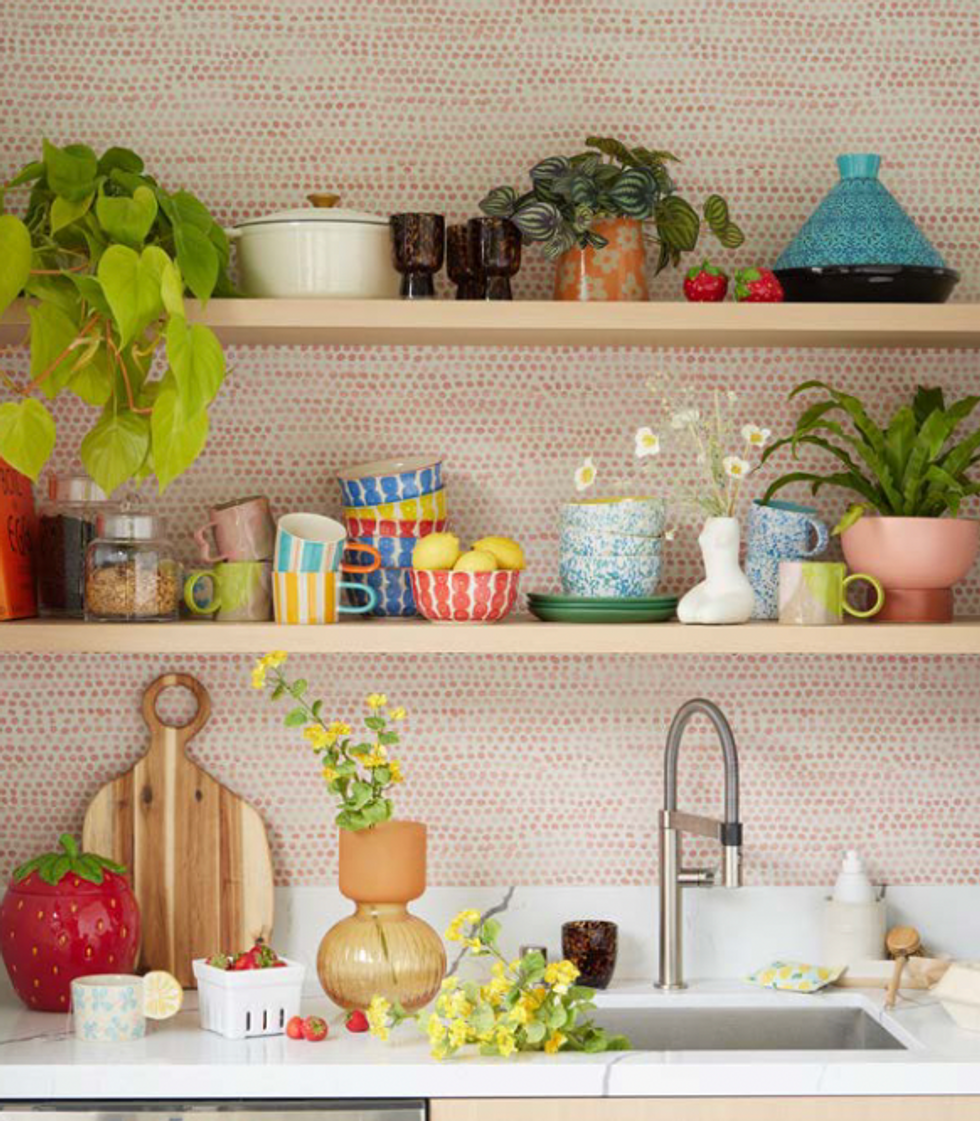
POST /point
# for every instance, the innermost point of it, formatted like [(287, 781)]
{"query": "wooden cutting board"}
[(198, 855)]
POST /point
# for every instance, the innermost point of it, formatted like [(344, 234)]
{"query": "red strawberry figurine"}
[(758, 286), (314, 1029), (356, 1021), (705, 283), (66, 914), (294, 1027)]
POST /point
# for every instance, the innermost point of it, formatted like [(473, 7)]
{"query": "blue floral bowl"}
[(389, 480)]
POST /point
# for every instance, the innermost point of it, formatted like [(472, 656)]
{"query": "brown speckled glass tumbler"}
[(590, 945), (461, 265), (418, 244), (495, 246)]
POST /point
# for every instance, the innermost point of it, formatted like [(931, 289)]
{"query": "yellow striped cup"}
[(314, 597)]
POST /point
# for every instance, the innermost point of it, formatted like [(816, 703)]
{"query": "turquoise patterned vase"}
[(859, 223)]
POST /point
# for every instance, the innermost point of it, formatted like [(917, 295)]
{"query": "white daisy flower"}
[(585, 475), (735, 466), (670, 534), (685, 418), (647, 442), (755, 436)]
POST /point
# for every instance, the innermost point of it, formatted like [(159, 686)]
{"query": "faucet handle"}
[(696, 877)]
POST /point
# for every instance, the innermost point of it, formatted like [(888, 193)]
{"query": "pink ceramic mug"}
[(243, 531)]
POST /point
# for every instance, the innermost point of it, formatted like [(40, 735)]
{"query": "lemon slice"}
[(162, 995)]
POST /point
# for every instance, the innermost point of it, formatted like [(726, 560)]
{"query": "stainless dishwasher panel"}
[(336, 1110)]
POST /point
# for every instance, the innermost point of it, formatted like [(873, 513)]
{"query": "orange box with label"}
[(18, 531)]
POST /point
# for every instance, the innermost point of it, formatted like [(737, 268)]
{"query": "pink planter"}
[(464, 597), (918, 560)]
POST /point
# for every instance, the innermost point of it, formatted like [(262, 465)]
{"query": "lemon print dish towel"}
[(795, 976)]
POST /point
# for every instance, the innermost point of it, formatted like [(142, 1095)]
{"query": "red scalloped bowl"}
[(371, 527), (464, 597)]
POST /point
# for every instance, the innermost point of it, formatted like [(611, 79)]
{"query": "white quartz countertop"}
[(41, 1060)]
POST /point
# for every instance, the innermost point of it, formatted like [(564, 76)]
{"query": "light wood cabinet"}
[(706, 1109)]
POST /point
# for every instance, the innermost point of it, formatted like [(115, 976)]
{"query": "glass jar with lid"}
[(66, 526), (131, 571)]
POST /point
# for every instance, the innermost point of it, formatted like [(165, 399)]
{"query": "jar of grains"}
[(66, 526), (131, 573)]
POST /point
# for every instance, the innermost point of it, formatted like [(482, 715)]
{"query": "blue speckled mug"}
[(779, 531)]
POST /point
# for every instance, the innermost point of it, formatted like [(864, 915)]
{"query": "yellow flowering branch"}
[(526, 1005), (359, 773)]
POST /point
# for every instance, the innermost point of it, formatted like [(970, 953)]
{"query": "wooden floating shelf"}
[(546, 323), (517, 635)]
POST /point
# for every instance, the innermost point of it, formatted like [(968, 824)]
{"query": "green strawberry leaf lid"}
[(52, 867)]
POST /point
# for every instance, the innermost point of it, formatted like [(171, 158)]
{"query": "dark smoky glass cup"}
[(461, 265), (590, 945), (495, 244), (418, 245)]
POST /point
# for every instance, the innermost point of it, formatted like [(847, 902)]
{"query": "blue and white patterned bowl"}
[(394, 589), (396, 552), (582, 543), (389, 480), (634, 516), (623, 577)]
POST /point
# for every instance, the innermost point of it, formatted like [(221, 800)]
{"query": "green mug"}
[(233, 591), (814, 593)]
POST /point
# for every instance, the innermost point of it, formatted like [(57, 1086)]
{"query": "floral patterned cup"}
[(617, 271), (114, 1007)]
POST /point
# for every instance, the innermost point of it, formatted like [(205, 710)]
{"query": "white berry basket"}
[(239, 1004)]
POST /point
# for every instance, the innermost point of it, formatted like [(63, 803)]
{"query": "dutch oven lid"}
[(316, 215)]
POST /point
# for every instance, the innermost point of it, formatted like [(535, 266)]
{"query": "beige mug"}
[(814, 593)]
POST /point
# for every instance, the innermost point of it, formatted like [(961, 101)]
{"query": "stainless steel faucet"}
[(673, 823)]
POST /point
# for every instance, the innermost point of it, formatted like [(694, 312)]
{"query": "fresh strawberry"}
[(356, 1021), (294, 1027), (705, 283), (219, 961), (758, 286), (263, 956), (244, 960), (314, 1029)]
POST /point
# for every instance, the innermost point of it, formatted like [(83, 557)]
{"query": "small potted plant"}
[(587, 212), (381, 948), (913, 475), (103, 256)]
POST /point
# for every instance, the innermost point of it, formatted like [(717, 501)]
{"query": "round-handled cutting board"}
[(197, 854)]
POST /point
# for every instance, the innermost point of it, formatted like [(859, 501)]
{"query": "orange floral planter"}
[(617, 271), (382, 950)]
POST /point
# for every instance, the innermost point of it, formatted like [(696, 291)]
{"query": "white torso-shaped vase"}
[(725, 595)]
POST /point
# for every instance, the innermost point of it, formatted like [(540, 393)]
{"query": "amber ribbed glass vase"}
[(382, 950)]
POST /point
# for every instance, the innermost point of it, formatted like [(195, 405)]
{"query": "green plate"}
[(601, 601), (571, 613)]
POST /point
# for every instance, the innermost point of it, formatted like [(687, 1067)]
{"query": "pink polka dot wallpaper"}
[(530, 770)]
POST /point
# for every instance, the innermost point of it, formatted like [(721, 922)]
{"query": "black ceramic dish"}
[(868, 284)]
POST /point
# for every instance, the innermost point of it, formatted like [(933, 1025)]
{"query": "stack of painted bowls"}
[(612, 547), (388, 505)]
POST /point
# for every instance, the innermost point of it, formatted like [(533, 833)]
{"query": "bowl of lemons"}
[(477, 585)]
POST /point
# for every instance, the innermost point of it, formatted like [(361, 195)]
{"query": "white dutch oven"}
[(320, 252)]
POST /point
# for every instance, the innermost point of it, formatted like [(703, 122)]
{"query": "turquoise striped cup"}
[(315, 543)]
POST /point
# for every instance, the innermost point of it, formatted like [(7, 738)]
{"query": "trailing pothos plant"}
[(104, 255), (910, 468), (569, 193)]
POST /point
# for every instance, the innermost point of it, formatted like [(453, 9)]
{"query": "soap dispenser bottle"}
[(854, 917)]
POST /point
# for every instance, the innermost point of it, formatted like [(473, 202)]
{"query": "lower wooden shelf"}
[(517, 635)]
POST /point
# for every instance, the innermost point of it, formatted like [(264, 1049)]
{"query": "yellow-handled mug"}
[(314, 597), (814, 593)]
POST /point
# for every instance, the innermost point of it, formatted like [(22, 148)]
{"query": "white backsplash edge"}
[(726, 933)]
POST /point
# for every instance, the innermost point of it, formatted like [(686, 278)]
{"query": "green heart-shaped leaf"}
[(115, 448), (15, 258), (27, 433)]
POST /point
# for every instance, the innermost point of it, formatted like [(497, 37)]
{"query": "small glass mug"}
[(814, 593)]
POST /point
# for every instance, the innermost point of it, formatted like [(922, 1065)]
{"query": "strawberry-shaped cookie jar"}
[(66, 914)]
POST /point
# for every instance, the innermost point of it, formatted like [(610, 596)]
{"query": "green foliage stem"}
[(104, 255)]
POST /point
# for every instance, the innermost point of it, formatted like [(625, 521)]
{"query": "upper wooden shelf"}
[(517, 635), (547, 323)]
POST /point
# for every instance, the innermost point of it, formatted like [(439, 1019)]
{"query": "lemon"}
[(476, 560), (438, 550), (508, 553), (162, 995)]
